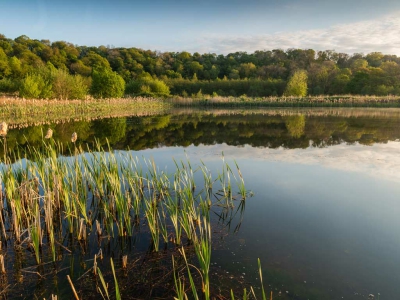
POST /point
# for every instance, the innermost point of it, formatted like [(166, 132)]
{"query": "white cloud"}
[(381, 34), (380, 161)]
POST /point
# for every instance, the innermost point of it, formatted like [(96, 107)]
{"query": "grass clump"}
[(53, 205)]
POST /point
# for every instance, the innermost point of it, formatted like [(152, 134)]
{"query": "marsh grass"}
[(287, 101), (55, 204), (20, 112)]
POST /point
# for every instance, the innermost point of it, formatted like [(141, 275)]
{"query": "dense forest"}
[(43, 69)]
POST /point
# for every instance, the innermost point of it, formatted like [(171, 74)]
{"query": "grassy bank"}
[(311, 101), (22, 112)]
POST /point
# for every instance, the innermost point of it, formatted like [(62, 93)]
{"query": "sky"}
[(210, 26)]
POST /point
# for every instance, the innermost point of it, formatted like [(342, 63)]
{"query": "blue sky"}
[(219, 26)]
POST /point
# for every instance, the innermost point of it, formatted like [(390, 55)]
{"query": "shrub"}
[(35, 86), (107, 84), (8, 85), (66, 86), (297, 84), (147, 86)]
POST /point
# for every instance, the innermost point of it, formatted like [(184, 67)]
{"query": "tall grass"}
[(57, 201), (207, 101)]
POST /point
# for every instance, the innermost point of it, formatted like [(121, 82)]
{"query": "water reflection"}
[(271, 129)]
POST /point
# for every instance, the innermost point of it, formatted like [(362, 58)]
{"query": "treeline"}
[(44, 69)]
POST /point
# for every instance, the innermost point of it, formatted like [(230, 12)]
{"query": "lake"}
[(323, 216)]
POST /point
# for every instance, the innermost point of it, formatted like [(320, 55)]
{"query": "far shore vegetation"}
[(40, 69)]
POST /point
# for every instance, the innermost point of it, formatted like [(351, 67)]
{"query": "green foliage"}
[(107, 84), (29, 87), (66, 86), (252, 87), (80, 68), (47, 82), (358, 83), (96, 61), (297, 84), (339, 84), (173, 74), (15, 67), (4, 66), (35, 86), (268, 71), (147, 86), (8, 85)]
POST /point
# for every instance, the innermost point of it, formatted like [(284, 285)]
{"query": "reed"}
[(179, 284), (240, 183), (2, 266), (17, 112), (53, 200), (173, 211), (36, 233), (261, 280), (104, 294), (152, 220), (117, 293), (287, 101), (202, 246)]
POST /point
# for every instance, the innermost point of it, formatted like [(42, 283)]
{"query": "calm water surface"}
[(324, 218)]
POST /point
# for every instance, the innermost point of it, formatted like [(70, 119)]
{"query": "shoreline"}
[(21, 113)]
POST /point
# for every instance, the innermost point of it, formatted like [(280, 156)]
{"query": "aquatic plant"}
[(56, 203)]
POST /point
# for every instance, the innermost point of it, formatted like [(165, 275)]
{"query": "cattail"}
[(74, 137), (3, 129), (124, 261), (49, 134)]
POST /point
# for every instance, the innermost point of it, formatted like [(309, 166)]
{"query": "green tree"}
[(4, 66), (374, 59), (297, 85), (107, 84), (247, 70), (8, 85), (35, 86), (359, 64), (96, 61), (80, 68), (15, 66), (147, 86), (359, 83), (66, 86), (339, 84)]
